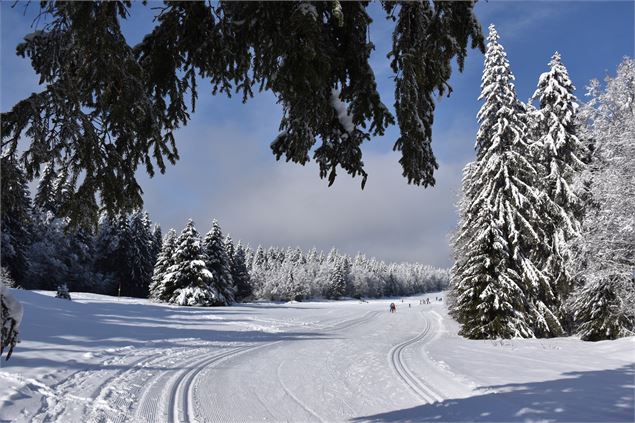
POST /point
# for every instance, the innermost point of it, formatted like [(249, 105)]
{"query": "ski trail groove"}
[(295, 398), (418, 386), (180, 402)]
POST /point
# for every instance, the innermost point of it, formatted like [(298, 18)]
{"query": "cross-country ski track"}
[(102, 359)]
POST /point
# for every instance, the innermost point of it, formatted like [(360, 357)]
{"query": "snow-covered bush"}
[(62, 292)]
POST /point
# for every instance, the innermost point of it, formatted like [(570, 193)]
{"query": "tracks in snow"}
[(176, 394), (418, 386), (155, 384)]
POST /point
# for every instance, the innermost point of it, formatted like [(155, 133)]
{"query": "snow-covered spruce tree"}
[(337, 282), (15, 204), (218, 262), (240, 274), (62, 292), (163, 263), (605, 252), (495, 282), (188, 281), (559, 152)]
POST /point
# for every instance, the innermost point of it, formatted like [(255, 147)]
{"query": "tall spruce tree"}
[(15, 204), (218, 262), (559, 152), (604, 308), (188, 281), (496, 281)]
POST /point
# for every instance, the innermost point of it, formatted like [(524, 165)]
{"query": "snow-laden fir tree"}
[(337, 281), (165, 259), (495, 281), (559, 153), (188, 281), (218, 262), (604, 308)]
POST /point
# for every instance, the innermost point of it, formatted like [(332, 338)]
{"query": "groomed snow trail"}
[(421, 389), (99, 359)]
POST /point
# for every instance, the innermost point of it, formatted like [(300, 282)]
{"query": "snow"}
[(102, 358), (345, 119)]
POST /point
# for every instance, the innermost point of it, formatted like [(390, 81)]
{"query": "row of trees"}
[(294, 275), (524, 199), (212, 270), (41, 251), (126, 255)]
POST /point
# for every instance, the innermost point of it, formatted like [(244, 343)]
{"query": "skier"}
[(408, 305), (393, 308)]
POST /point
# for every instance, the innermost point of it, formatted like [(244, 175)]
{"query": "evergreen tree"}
[(188, 281), (121, 255), (605, 253), (140, 260), (15, 203), (495, 282), (165, 259), (560, 153), (109, 259), (240, 274), (218, 262), (337, 282), (48, 253)]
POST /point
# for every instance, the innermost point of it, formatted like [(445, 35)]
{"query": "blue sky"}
[(227, 171)]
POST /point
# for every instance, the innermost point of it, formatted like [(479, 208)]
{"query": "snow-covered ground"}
[(99, 359)]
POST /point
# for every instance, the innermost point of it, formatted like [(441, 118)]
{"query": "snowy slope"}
[(99, 359)]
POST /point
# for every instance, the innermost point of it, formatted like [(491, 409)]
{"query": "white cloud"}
[(225, 174)]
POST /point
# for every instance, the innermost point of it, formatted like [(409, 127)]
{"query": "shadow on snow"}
[(590, 396)]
